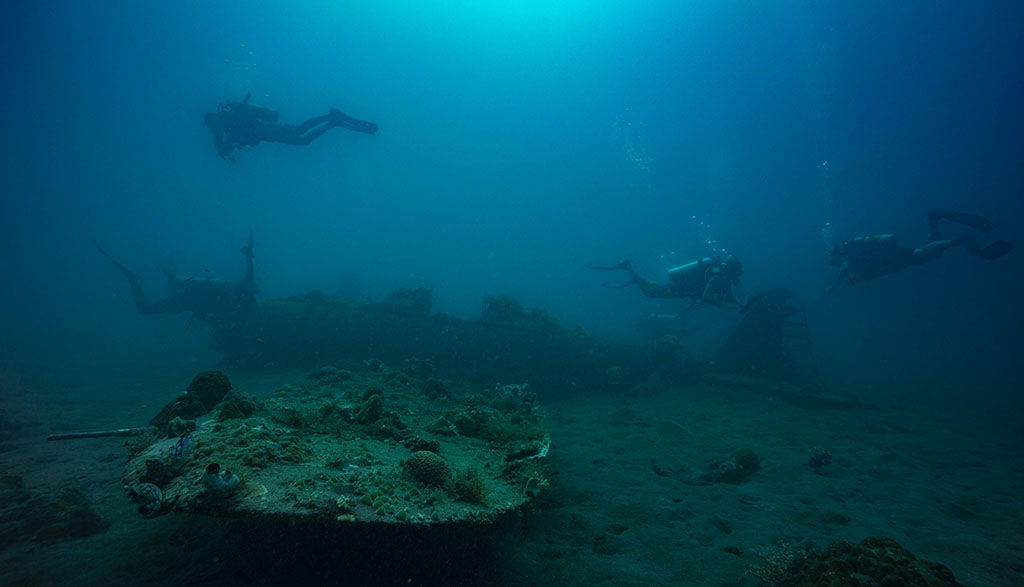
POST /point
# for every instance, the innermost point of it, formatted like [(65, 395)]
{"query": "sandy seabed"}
[(627, 504)]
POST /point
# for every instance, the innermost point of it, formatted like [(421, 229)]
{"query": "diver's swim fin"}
[(339, 118), (994, 250), (626, 265), (972, 220), (131, 275)]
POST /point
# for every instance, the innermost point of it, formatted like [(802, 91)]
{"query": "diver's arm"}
[(844, 277), (223, 149), (708, 295), (718, 295), (729, 299)]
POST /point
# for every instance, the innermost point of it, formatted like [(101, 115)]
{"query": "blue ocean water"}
[(519, 142)]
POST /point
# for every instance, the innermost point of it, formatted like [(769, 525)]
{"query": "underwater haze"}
[(520, 142)]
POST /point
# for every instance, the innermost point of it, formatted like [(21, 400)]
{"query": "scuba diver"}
[(708, 280), (867, 257), (221, 303), (240, 124)]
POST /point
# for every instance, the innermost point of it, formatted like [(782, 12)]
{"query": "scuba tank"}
[(245, 109), (862, 246), (871, 242), (691, 277), (689, 271), (874, 239)]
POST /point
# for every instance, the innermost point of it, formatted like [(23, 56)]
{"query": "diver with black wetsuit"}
[(707, 280), (240, 124), (867, 257), (211, 299)]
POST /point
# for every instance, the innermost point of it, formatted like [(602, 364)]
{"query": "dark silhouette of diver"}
[(708, 280), (240, 124), (867, 257), (221, 303)]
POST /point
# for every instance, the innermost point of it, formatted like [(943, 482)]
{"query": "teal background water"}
[(519, 142)]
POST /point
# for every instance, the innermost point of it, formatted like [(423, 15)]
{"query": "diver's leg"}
[(315, 121), (310, 136), (286, 134), (310, 130), (128, 273), (299, 135), (139, 296), (965, 218), (931, 251), (133, 281), (654, 290)]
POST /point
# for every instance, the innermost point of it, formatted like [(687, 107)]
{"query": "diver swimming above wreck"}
[(708, 280), (866, 257), (221, 303), (240, 124)]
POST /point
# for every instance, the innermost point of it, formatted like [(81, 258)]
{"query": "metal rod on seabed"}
[(102, 433)]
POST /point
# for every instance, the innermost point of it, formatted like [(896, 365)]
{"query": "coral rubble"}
[(876, 560), (353, 446)]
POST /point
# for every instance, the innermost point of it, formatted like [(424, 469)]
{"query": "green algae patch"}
[(379, 446)]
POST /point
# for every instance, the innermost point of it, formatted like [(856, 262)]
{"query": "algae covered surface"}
[(379, 445)]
